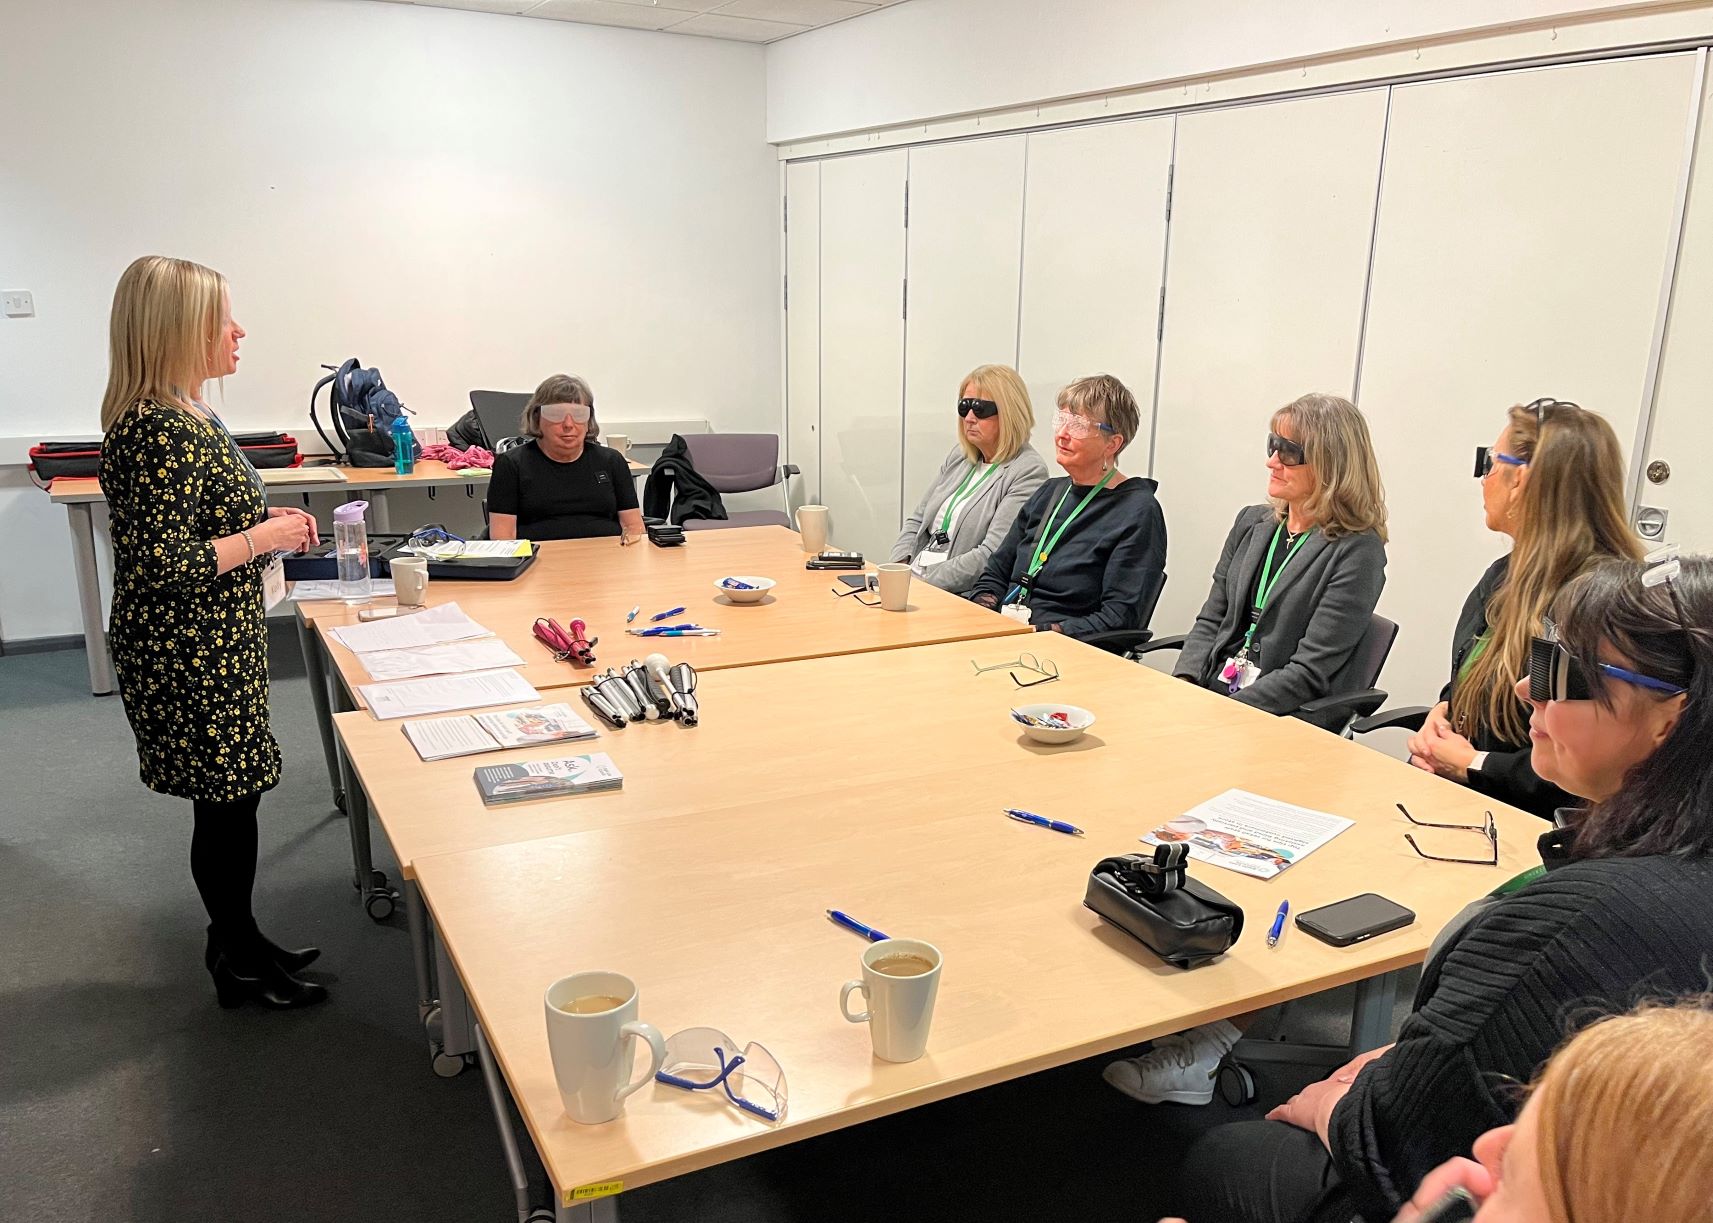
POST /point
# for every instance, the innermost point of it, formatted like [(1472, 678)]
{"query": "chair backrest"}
[(1373, 649), (499, 412), (735, 462), (1150, 599)]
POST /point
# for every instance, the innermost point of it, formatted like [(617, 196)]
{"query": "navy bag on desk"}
[(363, 414)]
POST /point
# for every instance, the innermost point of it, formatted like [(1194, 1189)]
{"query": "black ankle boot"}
[(263, 982), (291, 961)]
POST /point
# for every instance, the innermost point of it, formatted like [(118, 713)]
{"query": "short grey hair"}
[(1104, 398), (560, 388)]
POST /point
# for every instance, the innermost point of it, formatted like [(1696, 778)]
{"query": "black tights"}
[(223, 863)]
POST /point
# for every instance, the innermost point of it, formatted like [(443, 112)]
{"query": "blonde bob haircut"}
[(1348, 498), (559, 388), (1004, 386), (1626, 1119), (167, 316)]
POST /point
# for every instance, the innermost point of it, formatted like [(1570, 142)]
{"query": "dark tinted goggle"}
[(1290, 453), (984, 409), (1554, 675), (1486, 456)]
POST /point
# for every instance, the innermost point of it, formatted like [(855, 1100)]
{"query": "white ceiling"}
[(740, 20)]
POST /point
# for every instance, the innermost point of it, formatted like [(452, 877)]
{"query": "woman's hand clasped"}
[(285, 530)]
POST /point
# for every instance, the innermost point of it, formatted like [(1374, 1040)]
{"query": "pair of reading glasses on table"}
[(1044, 670)]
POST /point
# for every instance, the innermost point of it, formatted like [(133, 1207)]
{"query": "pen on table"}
[(1278, 923), (666, 615), (633, 612), (1041, 821), (674, 630), (851, 923)]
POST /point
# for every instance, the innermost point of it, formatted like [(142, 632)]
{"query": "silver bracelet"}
[(249, 543)]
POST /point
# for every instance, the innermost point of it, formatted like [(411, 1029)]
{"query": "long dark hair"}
[(1665, 805)]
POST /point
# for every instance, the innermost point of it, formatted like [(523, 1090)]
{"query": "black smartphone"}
[(1351, 921), (1457, 1206), (857, 581)]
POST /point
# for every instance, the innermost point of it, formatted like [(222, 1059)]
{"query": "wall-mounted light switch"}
[(18, 304)]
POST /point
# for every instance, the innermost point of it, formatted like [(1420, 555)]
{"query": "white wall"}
[(934, 58), (462, 199)]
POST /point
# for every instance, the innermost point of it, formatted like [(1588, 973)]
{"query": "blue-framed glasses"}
[(1486, 456), (436, 541), (1066, 421), (700, 1059), (1556, 675)]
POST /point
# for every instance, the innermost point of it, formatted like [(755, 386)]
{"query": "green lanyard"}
[(1518, 882), (960, 495), (1270, 579), (1477, 648), (1047, 545)]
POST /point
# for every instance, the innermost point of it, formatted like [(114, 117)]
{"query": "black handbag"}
[(1153, 899)]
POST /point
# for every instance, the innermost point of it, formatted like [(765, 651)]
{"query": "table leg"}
[(81, 517), (456, 1023), (1371, 1015), (500, 1101), (378, 898), (416, 918), (315, 663), (378, 507)]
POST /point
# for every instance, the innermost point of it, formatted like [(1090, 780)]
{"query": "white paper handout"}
[(327, 588), (415, 698), (1248, 833), (432, 626), (472, 549), (455, 657)]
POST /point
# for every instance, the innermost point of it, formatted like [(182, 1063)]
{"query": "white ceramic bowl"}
[(762, 586), (1075, 723)]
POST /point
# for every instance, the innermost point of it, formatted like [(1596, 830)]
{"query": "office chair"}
[(740, 463), (1128, 642), (1338, 711), (499, 414)]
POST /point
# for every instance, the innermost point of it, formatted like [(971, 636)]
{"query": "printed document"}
[(417, 698), (477, 654), (1248, 833), (433, 626)]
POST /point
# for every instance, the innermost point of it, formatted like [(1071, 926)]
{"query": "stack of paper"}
[(418, 698), (328, 588), (438, 641)]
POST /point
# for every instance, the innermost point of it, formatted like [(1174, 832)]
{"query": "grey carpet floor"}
[(127, 1094)]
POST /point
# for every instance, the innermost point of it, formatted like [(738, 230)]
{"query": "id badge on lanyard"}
[(938, 552), (273, 582)]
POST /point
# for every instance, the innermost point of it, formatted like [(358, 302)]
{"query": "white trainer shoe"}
[(1179, 1069)]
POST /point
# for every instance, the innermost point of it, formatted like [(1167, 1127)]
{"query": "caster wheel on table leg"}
[(1236, 1083), (378, 881), (380, 905), (449, 1065), (339, 802), (540, 1216)]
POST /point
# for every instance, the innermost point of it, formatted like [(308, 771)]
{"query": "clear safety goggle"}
[(700, 1059), (555, 413)]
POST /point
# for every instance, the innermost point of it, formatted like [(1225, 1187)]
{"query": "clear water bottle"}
[(404, 446), (351, 548)]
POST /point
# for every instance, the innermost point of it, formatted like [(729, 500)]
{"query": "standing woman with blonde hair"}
[(1554, 483), (990, 473), (192, 534)]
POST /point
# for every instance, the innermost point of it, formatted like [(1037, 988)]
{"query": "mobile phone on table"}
[(1351, 921), (857, 581), (1457, 1206)]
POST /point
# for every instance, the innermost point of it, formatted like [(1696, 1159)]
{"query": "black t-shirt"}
[(577, 500)]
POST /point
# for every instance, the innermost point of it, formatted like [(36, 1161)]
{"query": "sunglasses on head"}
[(984, 409), (555, 413), (1541, 407), (1290, 453), (1486, 456), (1556, 675)]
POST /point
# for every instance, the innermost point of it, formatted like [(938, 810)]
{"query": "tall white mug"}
[(618, 441), (410, 580), (894, 586), (900, 980), (812, 525), (591, 1021)]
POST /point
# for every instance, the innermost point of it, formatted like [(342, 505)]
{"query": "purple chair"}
[(740, 463)]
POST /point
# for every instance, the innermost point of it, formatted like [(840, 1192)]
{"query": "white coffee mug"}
[(812, 524), (894, 586), (900, 1008), (410, 579), (618, 441), (591, 1048)]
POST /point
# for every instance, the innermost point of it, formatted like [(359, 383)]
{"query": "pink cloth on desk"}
[(456, 459)]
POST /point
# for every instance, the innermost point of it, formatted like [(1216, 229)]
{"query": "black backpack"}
[(363, 414)]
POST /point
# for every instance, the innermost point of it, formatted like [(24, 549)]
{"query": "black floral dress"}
[(190, 647)]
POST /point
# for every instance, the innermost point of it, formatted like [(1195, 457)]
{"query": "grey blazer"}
[(982, 523), (1315, 617)]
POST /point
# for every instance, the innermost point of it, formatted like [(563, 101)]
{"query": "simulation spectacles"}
[(984, 409), (1045, 670), (1541, 407), (1068, 422), (1486, 456), (1557, 675), (435, 541), (1487, 828), (1290, 453), (700, 1059), (555, 413)]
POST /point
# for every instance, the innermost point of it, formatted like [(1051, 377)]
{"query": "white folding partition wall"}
[(1272, 215), (802, 296), (1522, 239)]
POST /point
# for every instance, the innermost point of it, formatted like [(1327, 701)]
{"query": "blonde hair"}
[(1104, 398), (167, 316), (1571, 514), (559, 388), (1626, 1119), (1001, 384), (1349, 497)]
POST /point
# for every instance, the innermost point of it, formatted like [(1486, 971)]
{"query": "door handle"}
[(1650, 521)]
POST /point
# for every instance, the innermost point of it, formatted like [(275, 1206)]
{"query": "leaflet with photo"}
[(515, 783), (472, 734), (1249, 833)]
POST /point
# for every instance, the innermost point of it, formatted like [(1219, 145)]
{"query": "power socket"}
[(18, 304)]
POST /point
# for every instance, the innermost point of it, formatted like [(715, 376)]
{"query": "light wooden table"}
[(718, 912)]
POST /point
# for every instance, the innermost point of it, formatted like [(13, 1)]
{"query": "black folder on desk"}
[(320, 564)]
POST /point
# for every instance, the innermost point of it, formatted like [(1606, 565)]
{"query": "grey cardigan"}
[(983, 522), (1315, 617)]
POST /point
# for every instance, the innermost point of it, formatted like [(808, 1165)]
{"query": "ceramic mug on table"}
[(900, 980), (410, 580), (894, 586), (591, 1022), (618, 441), (812, 525)]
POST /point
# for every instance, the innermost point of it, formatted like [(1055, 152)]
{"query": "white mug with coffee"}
[(410, 580), (812, 525), (591, 1022), (894, 586), (900, 979)]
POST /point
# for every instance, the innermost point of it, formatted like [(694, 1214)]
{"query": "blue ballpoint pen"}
[(1278, 923), (667, 615), (851, 923), (1041, 821), (633, 612)]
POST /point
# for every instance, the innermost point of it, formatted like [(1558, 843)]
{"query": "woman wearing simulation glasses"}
[(1298, 578), (562, 484), (1621, 714), (1087, 547), (1554, 483), (984, 482)]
